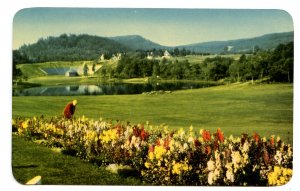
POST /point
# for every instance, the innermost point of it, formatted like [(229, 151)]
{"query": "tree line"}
[(275, 65), (70, 48)]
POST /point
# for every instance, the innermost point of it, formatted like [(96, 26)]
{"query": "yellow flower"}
[(201, 131), (151, 156), (158, 163), (178, 168), (109, 135), (181, 132), (201, 139), (166, 130), (191, 128), (159, 151), (83, 118), (20, 130), (25, 124), (147, 164), (279, 176), (277, 169)]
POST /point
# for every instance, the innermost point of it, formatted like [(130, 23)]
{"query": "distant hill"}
[(71, 48), (87, 47), (268, 41), (137, 42)]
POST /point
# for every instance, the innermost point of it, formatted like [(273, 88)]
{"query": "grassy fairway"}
[(30, 159), (266, 109)]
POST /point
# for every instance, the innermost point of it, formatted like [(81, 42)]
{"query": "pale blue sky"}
[(169, 27)]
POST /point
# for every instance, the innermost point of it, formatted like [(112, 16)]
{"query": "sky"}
[(169, 27)]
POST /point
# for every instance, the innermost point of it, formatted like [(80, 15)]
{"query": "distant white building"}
[(166, 54), (102, 57), (116, 57), (72, 72), (150, 55), (229, 48)]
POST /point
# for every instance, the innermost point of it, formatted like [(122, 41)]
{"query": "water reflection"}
[(107, 89)]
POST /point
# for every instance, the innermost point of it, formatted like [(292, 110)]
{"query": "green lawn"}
[(30, 160), (239, 108)]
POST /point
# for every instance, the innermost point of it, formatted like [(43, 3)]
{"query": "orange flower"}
[(272, 140), (208, 150), (256, 137), (220, 135), (206, 135), (151, 149), (167, 143), (144, 134)]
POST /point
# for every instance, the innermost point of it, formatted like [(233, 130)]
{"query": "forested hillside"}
[(137, 42), (71, 48), (268, 41)]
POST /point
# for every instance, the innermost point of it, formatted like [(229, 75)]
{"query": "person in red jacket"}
[(70, 109)]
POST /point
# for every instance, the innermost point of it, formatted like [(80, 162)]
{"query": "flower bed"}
[(167, 157)]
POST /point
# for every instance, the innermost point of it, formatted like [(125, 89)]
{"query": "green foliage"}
[(71, 48), (85, 69), (18, 58), (276, 65)]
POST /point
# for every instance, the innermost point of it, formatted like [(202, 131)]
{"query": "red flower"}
[(216, 144), (119, 129), (167, 142), (206, 135), (157, 142), (256, 137), (266, 157), (136, 131), (144, 134), (220, 135), (272, 140), (151, 148), (208, 150)]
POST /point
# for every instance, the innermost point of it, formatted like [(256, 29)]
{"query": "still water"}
[(108, 89)]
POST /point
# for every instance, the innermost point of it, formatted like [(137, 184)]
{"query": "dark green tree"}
[(85, 69)]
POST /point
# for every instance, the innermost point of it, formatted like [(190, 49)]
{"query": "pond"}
[(108, 89)]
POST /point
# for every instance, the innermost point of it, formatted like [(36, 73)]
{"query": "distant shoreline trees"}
[(276, 65)]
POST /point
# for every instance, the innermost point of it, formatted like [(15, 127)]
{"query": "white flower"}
[(113, 168), (236, 159), (230, 175), (211, 165), (191, 140), (216, 173), (245, 158), (133, 141), (278, 157), (245, 148), (185, 146), (231, 138), (210, 178), (278, 139)]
